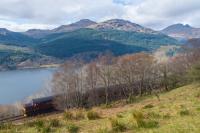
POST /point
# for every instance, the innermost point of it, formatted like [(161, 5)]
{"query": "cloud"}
[(49, 13), (59, 11), (157, 14), (13, 26)]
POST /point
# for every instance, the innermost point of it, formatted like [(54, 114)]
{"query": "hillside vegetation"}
[(13, 57), (177, 111), (118, 42), (84, 39)]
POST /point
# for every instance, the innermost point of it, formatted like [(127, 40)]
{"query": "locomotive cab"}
[(39, 106)]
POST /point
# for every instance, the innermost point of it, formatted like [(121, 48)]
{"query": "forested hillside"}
[(85, 39)]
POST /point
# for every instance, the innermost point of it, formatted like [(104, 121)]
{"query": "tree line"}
[(109, 78)]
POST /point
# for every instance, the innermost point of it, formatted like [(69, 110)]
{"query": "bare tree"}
[(92, 81), (69, 85), (105, 73)]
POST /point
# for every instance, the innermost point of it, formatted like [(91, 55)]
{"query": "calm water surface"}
[(19, 84)]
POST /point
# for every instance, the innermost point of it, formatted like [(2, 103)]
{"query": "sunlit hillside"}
[(177, 111)]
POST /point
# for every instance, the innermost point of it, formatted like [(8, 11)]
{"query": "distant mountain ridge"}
[(181, 31), (84, 23), (119, 24), (65, 45), (113, 24), (16, 38), (37, 33), (84, 39)]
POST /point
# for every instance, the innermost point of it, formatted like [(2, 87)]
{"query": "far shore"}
[(33, 67)]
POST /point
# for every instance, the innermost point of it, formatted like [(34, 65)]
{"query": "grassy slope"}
[(166, 112)]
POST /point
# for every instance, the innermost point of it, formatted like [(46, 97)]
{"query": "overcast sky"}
[(20, 15)]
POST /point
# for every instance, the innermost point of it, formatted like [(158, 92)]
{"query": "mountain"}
[(85, 49), (193, 43), (13, 57), (119, 24), (74, 26), (181, 31), (37, 33), (9, 37), (82, 41)]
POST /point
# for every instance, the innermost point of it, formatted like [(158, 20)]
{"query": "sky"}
[(21, 15)]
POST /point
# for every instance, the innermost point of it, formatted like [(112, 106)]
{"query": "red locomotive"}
[(39, 106)]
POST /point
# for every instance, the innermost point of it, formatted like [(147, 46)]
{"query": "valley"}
[(84, 39)]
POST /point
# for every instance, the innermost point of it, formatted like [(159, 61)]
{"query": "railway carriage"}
[(39, 106)]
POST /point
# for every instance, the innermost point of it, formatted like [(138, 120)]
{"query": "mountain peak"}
[(4, 30), (177, 27), (117, 21), (120, 24), (182, 31), (34, 30), (83, 23), (88, 21), (187, 25)]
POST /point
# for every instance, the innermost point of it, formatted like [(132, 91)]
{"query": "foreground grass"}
[(178, 111)]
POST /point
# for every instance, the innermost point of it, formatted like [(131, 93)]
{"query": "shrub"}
[(117, 125), (140, 123), (68, 115), (46, 129), (184, 112), (120, 115), (147, 124), (150, 124), (2, 126), (72, 128), (38, 124), (79, 115), (197, 95), (138, 115), (153, 115), (103, 130), (198, 108), (166, 116), (106, 106), (194, 72), (54, 123), (144, 123), (130, 99), (5, 126), (92, 115), (148, 106)]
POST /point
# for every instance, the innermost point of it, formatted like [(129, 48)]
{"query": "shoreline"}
[(32, 67)]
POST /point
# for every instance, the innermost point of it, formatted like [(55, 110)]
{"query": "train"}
[(88, 98), (39, 106)]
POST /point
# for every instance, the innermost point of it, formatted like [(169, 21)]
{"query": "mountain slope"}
[(113, 24), (89, 40), (177, 111), (85, 48), (14, 57), (74, 26), (37, 33), (9, 37), (181, 31), (120, 24)]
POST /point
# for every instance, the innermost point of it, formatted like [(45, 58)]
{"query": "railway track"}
[(22, 117), (11, 119)]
